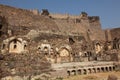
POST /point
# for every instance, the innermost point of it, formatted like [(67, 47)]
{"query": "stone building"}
[(14, 45), (33, 43)]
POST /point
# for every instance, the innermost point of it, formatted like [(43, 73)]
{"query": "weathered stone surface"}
[(112, 77), (21, 21), (115, 33), (32, 42), (32, 34), (23, 64)]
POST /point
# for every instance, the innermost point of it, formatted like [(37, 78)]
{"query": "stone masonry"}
[(41, 45)]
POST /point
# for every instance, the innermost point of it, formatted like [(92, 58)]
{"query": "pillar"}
[(108, 69), (104, 69), (82, 71)]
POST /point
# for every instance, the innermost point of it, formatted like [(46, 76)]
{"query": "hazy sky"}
[(107, 10)]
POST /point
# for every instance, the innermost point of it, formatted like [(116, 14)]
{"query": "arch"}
[(89, 71), (113, 68), (94, 70), (98, 70), (39, 48), (68, 72), (98, 44), (45, 48), (106, 68), (14, 41), (110, 68), (64, 50), (67, 47), (65, 55), (15, 46), (102, 69), (79, 71), (73, 72), (85, 54)]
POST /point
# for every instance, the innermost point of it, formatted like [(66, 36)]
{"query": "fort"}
[(38, 45)]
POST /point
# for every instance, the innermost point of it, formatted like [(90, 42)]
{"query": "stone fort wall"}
[(63, 23), (56, 15), (64, 16)]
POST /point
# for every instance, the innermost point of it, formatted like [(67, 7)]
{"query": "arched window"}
[(45, 48), (68, 72), (25, 46), (3, 46), (15, 46)]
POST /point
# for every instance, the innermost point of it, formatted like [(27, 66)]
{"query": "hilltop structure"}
[(34, 42)]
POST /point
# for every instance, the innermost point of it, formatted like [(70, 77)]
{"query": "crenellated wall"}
[(63, 16)]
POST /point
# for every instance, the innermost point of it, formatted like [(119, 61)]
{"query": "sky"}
[(107, 10)]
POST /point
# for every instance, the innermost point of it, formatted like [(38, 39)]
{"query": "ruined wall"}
[(111, 34), (21, 21), (115, 33), (22, 64), (108, 35), (85, 27), (56, 39), (96, 32), (35, 11), (63, 16)]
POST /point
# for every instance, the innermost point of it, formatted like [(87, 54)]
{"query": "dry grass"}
[(98, 76)]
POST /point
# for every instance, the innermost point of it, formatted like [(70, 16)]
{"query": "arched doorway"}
[(110, 68), (89, 71), (79, 72), (98, 70), (73, 72), (106, 68), (15, 46), (68, 72), (102, 69), (93, 70), (64, 55)]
